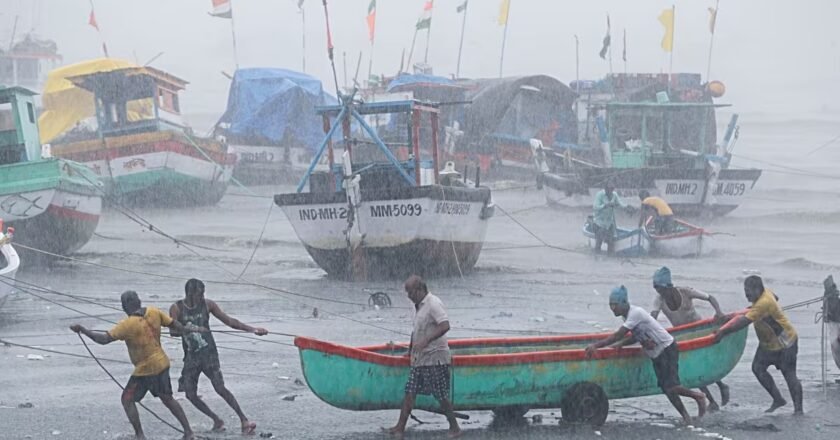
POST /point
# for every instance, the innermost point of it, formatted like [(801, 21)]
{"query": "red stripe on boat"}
[(61, 211)]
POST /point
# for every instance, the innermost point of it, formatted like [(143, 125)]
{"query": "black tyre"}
[(509, 413), (585, 402)]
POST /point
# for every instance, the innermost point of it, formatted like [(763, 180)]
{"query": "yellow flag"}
[(504, 10), (667, 20)]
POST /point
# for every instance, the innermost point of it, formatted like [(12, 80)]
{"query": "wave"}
[(804, 263), (800, 216)]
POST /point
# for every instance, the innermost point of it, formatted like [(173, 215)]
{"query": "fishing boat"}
[(141, 147), (27, 60), (683, 239), (271, 125), (9, 263), (513, 375), (383, 210), (660, 138), (53, 204), (627, 242)]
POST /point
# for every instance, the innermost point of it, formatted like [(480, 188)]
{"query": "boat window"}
[(31, 110)]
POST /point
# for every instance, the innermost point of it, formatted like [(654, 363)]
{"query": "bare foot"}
[(249, 428), (776, 405), (798, 412), (218, 426), (455, 434), (701, 406), (188, 436), (395, 431), (140, 437), (713, 407), (724, 393)]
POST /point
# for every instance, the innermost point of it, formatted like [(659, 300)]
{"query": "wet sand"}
[(784, 232)]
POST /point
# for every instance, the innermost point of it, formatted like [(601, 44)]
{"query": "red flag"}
[(92, 20)]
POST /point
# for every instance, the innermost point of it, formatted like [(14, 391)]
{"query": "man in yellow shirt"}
[(141, 333), (778, 343), (658, 208)]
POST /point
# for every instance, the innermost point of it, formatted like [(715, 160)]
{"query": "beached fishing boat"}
[(9, 262), (141, 147), (628, 242), (53, 204), (683, 240), (512, 375), (271, 125), (383, 210), (658, 138)]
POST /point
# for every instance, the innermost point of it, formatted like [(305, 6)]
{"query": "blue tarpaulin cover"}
[(268, 106), (415, 80)]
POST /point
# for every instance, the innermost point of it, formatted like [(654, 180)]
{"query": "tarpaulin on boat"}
[(269, 106), (65, 105), (521, 108), (405, 81)]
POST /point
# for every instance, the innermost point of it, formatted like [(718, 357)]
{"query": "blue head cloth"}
[(662, 278), (619, 295)]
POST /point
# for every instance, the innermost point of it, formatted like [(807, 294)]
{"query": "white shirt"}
[(430, 313), (685, 313), (647, 331)]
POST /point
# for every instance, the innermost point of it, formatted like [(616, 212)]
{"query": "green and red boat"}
[(512, 375)]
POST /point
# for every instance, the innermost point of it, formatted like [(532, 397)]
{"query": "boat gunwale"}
[(693, 231), (370, 354)]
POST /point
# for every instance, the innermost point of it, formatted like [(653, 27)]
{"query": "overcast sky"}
[(774, 56)]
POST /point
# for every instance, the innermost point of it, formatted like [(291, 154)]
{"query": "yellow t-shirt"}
[(142, 336), (660, 205), (772, 327)]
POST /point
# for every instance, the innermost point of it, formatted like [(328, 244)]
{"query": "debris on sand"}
[(761, 427), (34, 357), (290, 397), (26, 405)]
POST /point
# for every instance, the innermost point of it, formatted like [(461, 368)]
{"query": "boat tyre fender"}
[(509, 413), (585, 402)]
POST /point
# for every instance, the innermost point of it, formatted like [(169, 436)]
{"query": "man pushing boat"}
[(430, 356), (677, 305), (658, 208), (201, 355), (141, 333), (657, 344)]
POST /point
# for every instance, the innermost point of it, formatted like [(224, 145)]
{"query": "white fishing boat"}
[(374, 215), (683, 239), (627, 242)]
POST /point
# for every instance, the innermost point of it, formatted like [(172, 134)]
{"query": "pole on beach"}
[(461, 44)]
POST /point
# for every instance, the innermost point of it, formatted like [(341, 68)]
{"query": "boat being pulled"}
[(386, 210)]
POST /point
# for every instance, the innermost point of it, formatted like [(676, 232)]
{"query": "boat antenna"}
[(330, 51)]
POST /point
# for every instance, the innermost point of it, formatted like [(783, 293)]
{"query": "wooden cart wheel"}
[(507, 413), (585, 402)]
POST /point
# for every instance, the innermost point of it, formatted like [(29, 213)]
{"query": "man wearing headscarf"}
[(676, 303), (657, 344)]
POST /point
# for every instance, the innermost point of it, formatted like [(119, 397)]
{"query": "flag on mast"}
[(222, 9), (712, 19), (92, 22), (607, 40), (425, 21), (504, 11), (371, 20), (667, 20), (462, 7)]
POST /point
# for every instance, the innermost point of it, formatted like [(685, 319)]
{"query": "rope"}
[(257, 245), (122, 387), (232, 179), (64, 353)]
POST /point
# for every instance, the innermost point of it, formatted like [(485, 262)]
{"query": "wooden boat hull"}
[(686, 240), (683, 189), (628, 242), (156, 168), (263, 165), (54, 205), (523, 372), (431, 230)]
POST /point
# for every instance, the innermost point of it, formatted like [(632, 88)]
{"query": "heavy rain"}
[(487, 219)]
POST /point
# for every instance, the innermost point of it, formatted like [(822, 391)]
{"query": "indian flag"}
[(221, 9), (425, 21)]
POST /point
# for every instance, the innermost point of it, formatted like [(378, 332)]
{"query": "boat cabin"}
[(397, 161), (27, 62), (134, 100), (19, 140), (660, 134)]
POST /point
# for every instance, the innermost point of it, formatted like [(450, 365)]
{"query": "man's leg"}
[(218, 382), (178, 412), (131, 410), (713, 406), (795, 387), (698, 397), (408, 404), (724, 392), (446, 406), (189, 383), (759, 369), (677, 402)]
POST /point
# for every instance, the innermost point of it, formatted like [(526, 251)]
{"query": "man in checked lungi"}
[(430, 357)]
